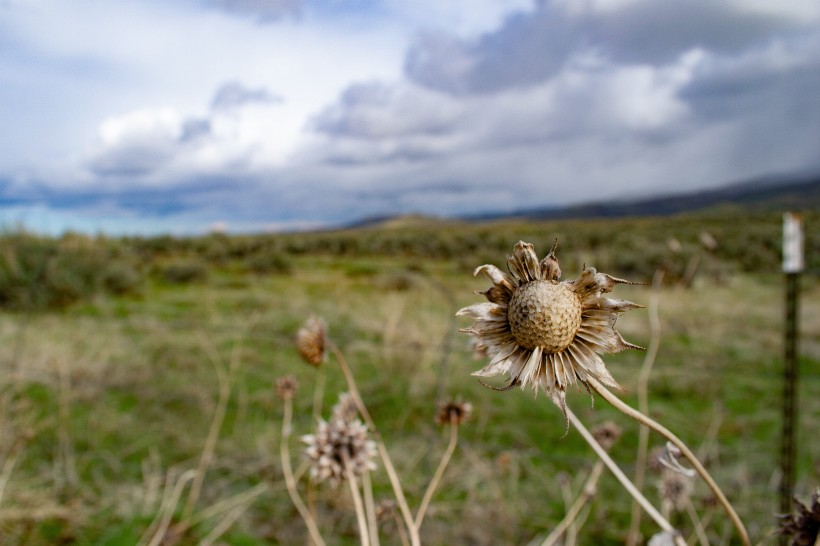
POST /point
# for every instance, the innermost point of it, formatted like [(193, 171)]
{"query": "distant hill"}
[(770, 194), (760, 195)]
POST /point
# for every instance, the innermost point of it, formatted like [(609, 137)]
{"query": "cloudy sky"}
[(145, 116)]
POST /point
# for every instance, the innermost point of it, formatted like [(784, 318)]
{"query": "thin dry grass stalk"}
[(445, 460), (643, 402)]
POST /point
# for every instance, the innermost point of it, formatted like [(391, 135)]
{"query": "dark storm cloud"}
[(234, 95), (532, 47), (261, 10)]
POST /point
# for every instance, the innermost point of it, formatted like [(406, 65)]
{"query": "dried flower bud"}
[(311, 341), (606, 434), (453, 411), (676, 489), (345, 409), (285, 387)]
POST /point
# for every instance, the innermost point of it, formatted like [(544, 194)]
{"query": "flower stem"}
[(685, 451), (445, 460), (637, 495), (385, 456), (290, 482), (370, 509), (364, 533)]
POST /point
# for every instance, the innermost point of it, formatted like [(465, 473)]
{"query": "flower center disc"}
[(544, 314)]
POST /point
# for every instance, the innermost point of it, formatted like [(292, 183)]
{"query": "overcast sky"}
[(147, 116)]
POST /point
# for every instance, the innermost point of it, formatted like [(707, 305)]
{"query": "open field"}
[(114, 352)]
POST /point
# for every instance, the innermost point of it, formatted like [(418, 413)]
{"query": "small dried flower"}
[(335, 444), (345, 409), (708, 241), (606, 434), (285, 387), (453, 411), (311, 341), (676, 489), (654, 460), (665, 538), (385, 509), (804, 525), (543, 332)]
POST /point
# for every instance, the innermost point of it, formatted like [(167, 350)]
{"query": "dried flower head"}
[(453, 411), (664, 538), (385, 509), (285, 387), (311, 340), (606, 434), (336, 444), (345, 409), (804, 525), (543, 332), (676, 489)]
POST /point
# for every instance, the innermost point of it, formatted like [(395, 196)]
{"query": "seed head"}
[(676, 489), (336, 444), (345, 409), (545, 333), (606, 434), (285, 387), (311, 341), (804, 525), (453, 411)]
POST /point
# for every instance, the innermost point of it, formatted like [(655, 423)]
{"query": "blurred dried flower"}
[(606, 434), (708, 241), (676, 488), (674, 245), (345, 409), (543, 332), (665, 538), (285, 387), (653, 461), (385, 509), (803, 526), (453, 411), (335, 444), (311, 340)]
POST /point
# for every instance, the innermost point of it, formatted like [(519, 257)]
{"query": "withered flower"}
[(804, 525), (285, 387), (454, 410), (606, 434), (543, 332), (311, 341), (336, 444)]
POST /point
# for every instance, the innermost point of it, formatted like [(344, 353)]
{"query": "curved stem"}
[(385, 456), (610, 464), (663, 431), (318, 393), (290, 482), (445, 460)]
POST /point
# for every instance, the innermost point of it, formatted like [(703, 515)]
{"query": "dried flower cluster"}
[(337, 444), (453, 411), (543, 332), (311, 341), (285, 387), (804, 525)]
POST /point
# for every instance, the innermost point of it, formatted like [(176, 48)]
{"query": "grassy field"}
[(112, 373)]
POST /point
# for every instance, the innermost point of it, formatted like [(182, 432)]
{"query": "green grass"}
[(106, 398)]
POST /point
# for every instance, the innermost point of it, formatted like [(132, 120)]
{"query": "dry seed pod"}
[(311, 341)]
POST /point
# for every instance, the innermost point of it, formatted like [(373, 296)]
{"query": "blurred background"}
[(183, 184)]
